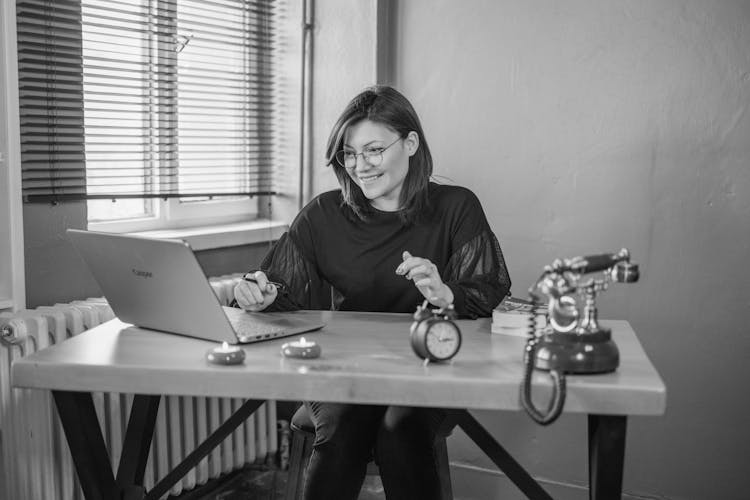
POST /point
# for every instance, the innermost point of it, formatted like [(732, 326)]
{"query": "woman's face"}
[(381, 184)]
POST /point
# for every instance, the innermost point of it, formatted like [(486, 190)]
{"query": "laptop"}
[(158, 284)]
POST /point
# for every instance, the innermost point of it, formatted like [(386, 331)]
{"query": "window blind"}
[(147, 98)]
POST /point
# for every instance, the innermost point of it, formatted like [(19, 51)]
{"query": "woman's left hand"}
[(426, 278)]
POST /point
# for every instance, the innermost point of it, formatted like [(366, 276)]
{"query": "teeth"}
[(369, 178)]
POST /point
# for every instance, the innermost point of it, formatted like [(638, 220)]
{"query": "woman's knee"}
[(409, 420), (405, 428), (346, 426)]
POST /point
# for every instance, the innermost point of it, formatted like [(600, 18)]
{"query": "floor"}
[(263, 483)]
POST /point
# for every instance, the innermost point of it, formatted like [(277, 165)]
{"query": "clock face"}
[(442, 339)]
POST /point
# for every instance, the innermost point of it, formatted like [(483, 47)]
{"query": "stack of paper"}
[(511, 317)]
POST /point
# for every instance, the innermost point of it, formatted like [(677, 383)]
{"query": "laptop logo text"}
[(142, 274)]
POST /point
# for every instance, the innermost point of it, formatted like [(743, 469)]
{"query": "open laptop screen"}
[(157, 284)]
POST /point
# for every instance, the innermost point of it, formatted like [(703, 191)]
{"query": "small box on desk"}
[(511, 317)]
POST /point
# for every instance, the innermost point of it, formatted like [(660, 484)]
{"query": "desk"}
[(366, 359)]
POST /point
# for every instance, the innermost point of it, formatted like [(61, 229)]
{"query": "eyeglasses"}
[(373, 156)]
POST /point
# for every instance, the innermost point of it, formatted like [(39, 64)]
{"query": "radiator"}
[(35, 462)]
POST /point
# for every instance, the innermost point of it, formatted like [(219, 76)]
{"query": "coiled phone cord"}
[(557, 400)]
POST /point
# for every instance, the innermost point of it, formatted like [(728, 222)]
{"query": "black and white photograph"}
[(374, 249)]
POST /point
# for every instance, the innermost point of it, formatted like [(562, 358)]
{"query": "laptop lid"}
[(158, 284)]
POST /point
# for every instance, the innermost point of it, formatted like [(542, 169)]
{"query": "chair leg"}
[(299, 455)]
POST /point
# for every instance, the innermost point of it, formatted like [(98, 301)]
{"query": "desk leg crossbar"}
[(504, 461), (606, 455), (81, 426)]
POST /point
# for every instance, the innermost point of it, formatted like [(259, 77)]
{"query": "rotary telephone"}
[(573, 341)]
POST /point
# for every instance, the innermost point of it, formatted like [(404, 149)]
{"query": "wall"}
[(12, 290), (584, 127), (54, 271), (344, 63), (6, 272)]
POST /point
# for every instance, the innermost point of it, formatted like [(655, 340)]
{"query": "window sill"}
[(224, 235)]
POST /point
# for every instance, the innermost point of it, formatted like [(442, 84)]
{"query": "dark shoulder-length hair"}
[(385, 105)]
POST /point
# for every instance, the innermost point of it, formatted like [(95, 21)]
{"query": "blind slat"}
[(119, 97)]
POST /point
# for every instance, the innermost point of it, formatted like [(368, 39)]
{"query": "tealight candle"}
[(301, 348), (226, 355)]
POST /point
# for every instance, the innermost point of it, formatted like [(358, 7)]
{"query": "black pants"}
[(347, 436)]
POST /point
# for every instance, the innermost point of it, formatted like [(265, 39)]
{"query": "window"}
[(158, 113)]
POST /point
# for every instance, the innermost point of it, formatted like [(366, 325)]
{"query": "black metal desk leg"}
[(78, 417), (138, 436), (606, 456)]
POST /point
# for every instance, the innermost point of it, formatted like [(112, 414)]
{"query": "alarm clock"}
[(434, 333)]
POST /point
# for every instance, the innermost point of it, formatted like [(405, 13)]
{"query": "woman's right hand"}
[(254, 292)]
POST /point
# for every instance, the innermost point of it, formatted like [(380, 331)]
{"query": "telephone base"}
[(571, 352)]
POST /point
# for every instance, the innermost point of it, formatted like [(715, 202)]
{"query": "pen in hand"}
[(251, 278)]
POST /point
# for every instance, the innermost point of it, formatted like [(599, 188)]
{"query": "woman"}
[(386, 241)]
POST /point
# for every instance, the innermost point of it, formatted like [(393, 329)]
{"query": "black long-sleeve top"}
[(329, 257)]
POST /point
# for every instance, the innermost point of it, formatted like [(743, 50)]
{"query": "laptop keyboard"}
[(253, 327)]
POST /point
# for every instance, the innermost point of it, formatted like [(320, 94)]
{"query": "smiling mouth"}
[(366, 179)]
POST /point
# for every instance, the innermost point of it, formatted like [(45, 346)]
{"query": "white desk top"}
[(366, 359)]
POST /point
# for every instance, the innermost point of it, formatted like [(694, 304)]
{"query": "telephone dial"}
[(573, 341)]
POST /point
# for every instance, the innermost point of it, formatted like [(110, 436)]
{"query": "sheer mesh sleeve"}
[(303, 286), (477, 275)]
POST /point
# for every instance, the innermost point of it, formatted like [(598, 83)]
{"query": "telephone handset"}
[(573, 341)]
